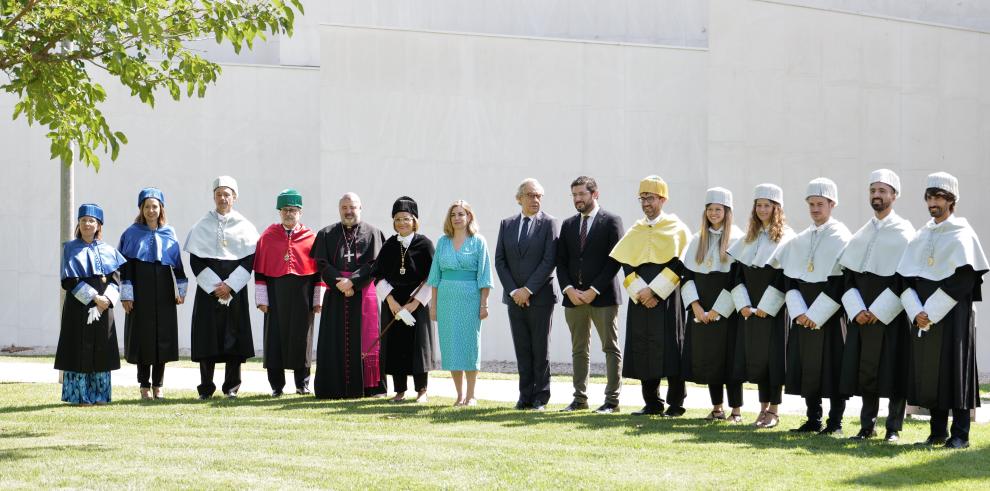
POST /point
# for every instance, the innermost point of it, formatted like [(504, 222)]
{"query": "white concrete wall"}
[(797, 93), (446, 116), (258, 124)]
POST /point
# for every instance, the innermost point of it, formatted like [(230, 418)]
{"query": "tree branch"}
[(27, 8)]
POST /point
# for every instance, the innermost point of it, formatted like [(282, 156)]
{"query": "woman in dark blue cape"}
[(153, 282)]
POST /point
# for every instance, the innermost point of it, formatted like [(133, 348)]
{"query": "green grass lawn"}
[(299, 442)]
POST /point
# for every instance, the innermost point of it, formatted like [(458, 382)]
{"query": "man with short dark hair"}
[(943, 269), (588, 279), (874, 360)]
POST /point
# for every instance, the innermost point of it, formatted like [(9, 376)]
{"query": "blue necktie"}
[(524, 233)]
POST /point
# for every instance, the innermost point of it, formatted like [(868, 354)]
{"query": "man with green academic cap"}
[(288, 289)]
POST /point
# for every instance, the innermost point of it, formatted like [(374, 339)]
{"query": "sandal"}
[(399, 397), (761, 420), (734, 419), (145, 393), (159, 394), (771, 420), (715, 416)]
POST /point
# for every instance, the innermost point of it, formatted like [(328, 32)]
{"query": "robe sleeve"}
[(181, 281), (206, 278), (740, 295), (112, 292), (260, 289), (319, 290), (126, 280), (324, 259), (484, 277), (795, 302), (239, 278), (689, 291), (852, 299), (950, 291)]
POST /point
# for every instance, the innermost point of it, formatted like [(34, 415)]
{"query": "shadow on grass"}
[(951, 466), (23, 453), (21, 434)]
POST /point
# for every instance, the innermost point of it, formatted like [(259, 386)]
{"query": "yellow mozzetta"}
[(656, 244)]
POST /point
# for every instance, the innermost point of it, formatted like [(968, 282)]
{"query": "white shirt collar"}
[(405, 241), (655, 220), (594, 212)]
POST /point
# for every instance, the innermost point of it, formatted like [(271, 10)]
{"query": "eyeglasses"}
[(533, 195), (648, 199), (402, 220)]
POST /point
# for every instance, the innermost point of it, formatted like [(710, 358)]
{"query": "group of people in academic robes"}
[(885, 312)]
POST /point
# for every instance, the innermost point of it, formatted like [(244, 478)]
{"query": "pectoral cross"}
[(349, 256)]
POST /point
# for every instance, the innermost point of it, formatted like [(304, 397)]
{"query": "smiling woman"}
[(87, 344)]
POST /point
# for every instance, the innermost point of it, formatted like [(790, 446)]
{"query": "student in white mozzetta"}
[(874, 361), (814, 290), (943, 269)]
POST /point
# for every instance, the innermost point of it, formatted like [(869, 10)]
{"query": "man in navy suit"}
[(588, 280), (524, 259)]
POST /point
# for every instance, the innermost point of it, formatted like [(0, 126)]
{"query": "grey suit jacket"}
[(531, 265)]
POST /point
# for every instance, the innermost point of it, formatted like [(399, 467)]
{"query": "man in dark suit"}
[(524, 259), (591, 290)]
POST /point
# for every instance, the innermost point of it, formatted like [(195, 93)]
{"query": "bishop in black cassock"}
[(347, 357)]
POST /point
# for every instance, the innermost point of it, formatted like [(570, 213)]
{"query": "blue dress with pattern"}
[(459, 276)]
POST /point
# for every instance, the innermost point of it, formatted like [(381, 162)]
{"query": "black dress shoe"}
[(204, 397), (575, 406), (523, 405), (607, 408), (831, 431), (864, 434), (956, 442), (810, 426), (933, 440), (892, 436), (303, 391), (649, 411), (276, 393), (674, 412), (539, 407)]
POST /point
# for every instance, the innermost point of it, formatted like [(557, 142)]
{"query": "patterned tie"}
[(524, 233), (584, 232)]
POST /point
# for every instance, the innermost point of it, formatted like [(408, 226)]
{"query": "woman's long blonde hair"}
[(704, 236), (472, 225), (777, 223)]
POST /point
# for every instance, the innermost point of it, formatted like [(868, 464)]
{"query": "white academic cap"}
[(226, 182), (945, 182), (888, 177), (769, 191), (824, 187), (718, 196)]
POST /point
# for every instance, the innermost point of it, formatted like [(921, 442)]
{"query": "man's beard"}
[(879, 205)]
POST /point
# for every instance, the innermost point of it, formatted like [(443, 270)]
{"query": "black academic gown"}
[(151, 328), (407, 350), (82, 347), (221, 334), (761, 343), (339, 369), (709, 350), (654, 336), (942, 372), (289, 321), (814, 356), (874, 362)]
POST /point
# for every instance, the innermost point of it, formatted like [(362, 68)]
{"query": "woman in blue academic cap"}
[(87, 344), (152, 283)]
